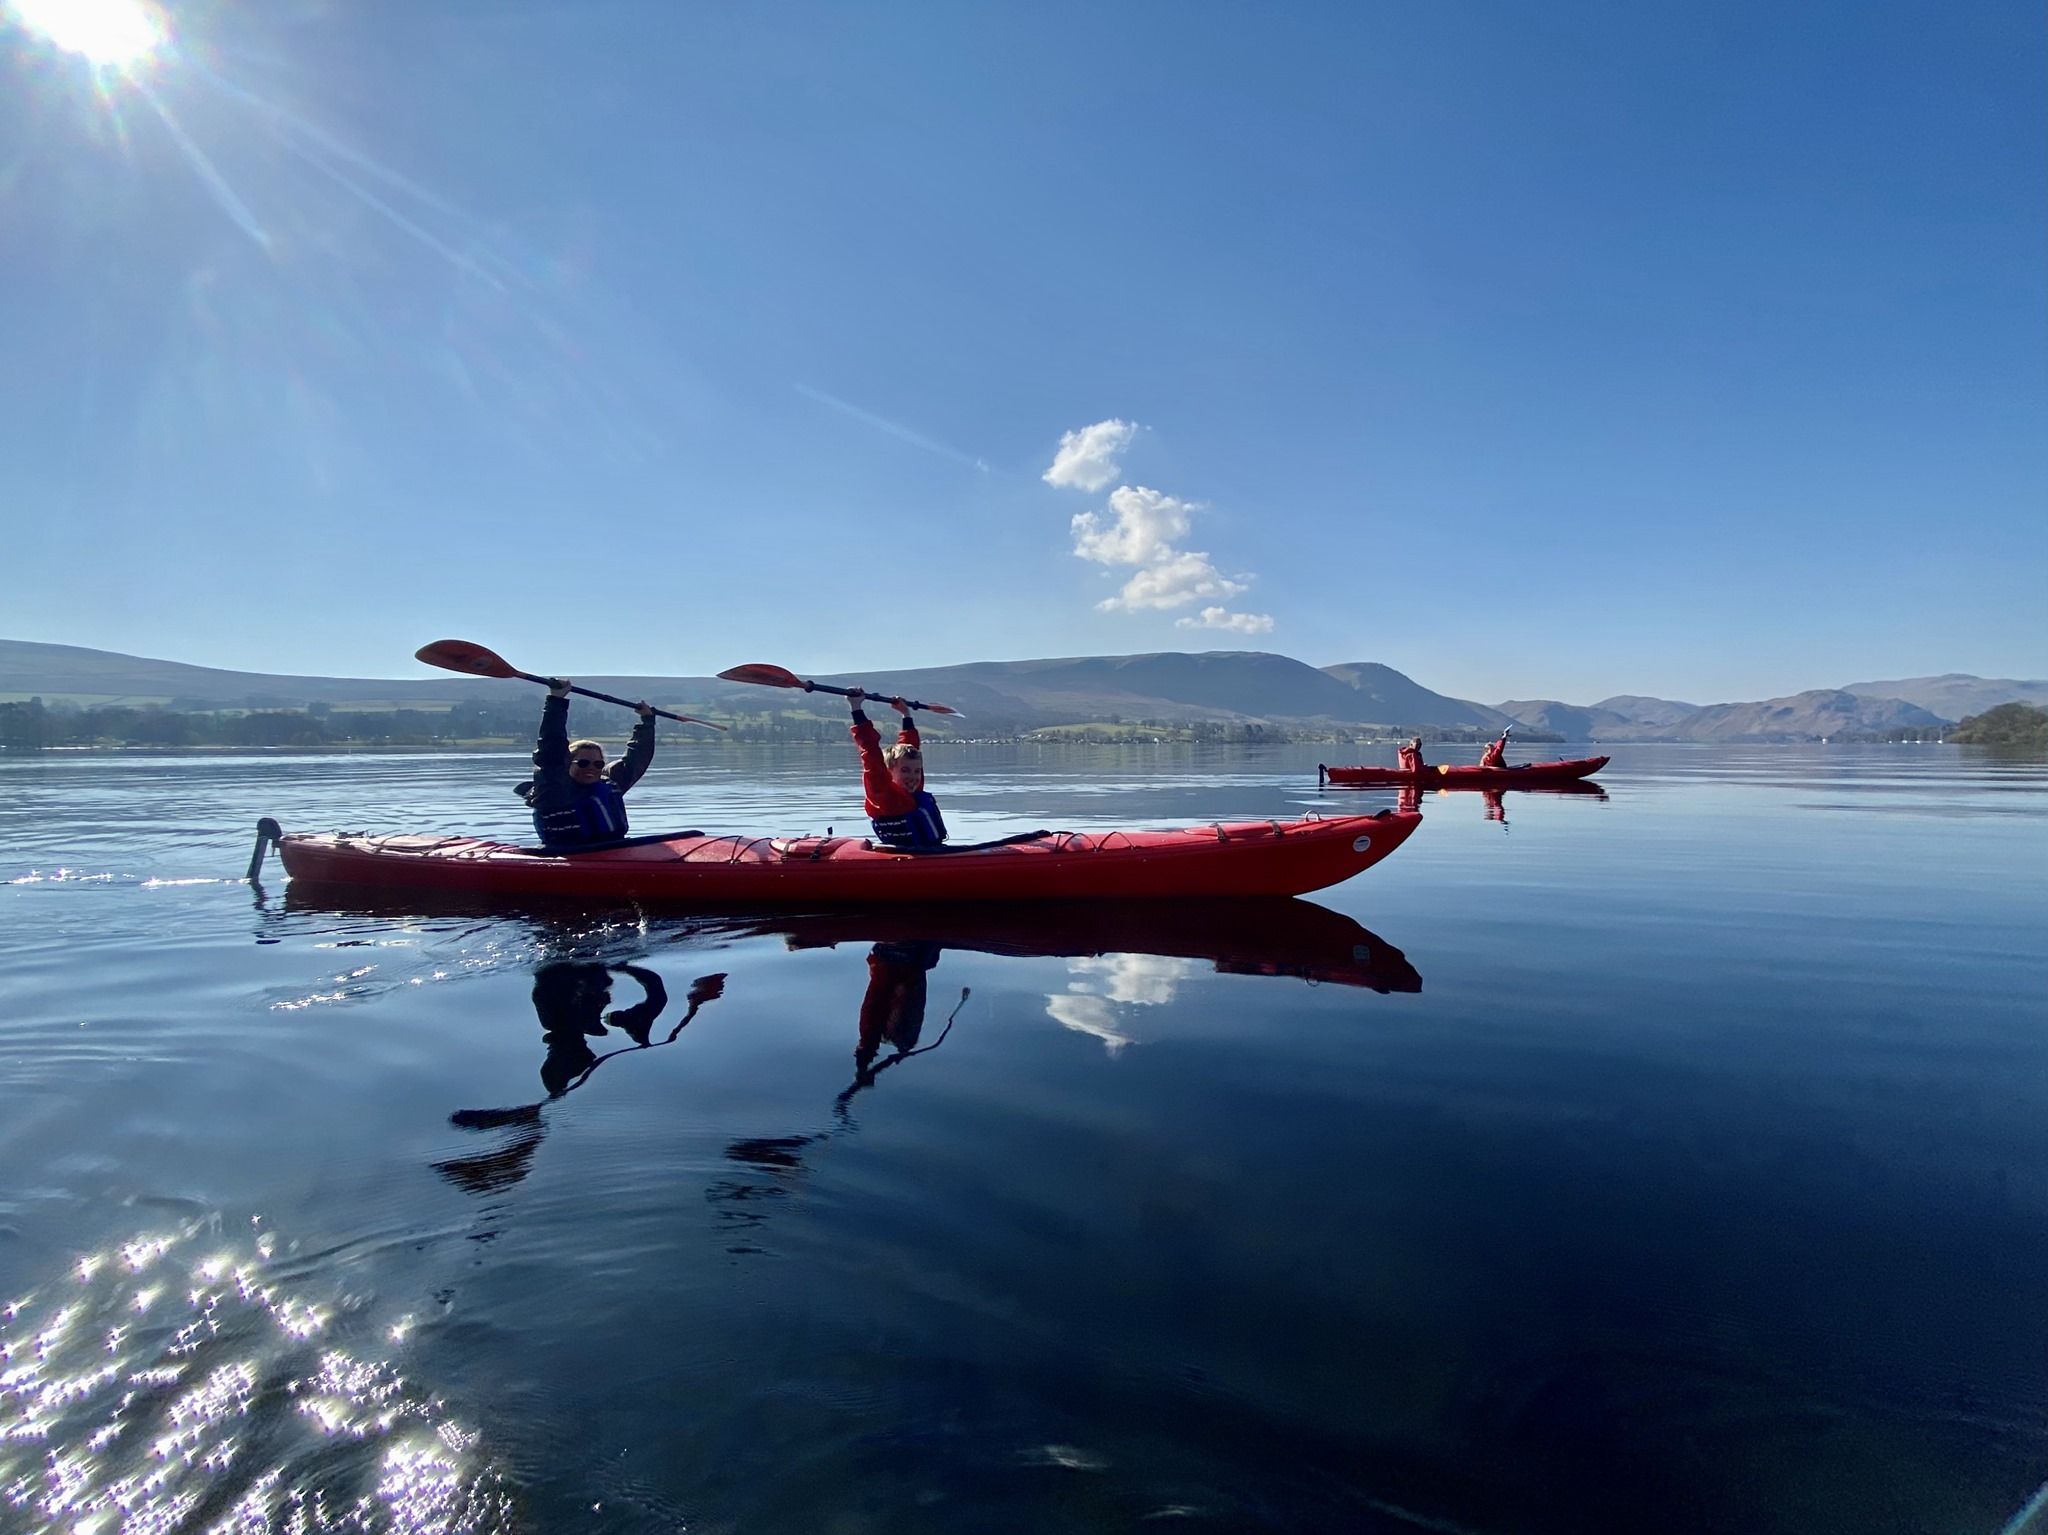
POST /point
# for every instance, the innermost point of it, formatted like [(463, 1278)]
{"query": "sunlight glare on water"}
[(171, 1376)]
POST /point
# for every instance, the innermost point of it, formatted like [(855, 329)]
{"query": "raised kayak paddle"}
[(763, 675), (462, 656)]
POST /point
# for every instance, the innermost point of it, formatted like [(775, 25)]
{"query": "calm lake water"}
[(1674, 1160)]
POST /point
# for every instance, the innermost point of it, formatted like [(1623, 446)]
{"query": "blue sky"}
[(1538, 351)]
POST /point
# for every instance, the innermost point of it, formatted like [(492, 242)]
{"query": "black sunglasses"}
[(586, 762)]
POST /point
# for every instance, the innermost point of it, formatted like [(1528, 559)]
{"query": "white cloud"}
[(1087, 458), (1175, 579), (1223, 618), (1142, 529), (1146, 525)]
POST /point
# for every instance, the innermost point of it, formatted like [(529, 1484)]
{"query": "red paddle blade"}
[(462, 656), (762, 675)]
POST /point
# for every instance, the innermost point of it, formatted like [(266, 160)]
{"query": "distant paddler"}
[(1496, 754)]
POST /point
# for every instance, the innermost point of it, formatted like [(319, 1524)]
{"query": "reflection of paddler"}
[(892, 1012), (570, 996)]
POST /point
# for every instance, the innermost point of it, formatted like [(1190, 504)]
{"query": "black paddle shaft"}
[(610, 698), (908, 703)]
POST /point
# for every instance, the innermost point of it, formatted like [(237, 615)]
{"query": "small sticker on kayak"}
[(1362, 844)]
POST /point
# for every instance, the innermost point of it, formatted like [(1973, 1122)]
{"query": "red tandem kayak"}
[(1237, 859), (1527, 775)]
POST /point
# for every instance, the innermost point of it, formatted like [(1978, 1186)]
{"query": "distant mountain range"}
[(1217, 686), (1815, 715), (1954, 695)]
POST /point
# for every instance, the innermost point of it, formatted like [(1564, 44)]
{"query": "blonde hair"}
[(895, 754), (577, 746)]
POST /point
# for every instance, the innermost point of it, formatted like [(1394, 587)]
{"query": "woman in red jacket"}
[(1496, 755), (892, 782)]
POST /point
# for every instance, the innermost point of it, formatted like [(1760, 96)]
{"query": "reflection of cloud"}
[(1144, 979), (1107, 982), (1088, 1015)]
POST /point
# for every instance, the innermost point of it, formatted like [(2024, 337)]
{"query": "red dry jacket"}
[(884, 795)]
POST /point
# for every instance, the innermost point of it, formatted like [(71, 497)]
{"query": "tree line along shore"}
[(2013, 725), (32, 725)]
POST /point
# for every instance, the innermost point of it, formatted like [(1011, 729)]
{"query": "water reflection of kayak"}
[(1529, 775), (1239, 937), (1256, 936), (1231, 859)]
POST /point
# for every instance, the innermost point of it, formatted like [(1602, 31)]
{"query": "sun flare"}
[(109, 34)]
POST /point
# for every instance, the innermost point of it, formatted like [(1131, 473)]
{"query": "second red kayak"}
[(1528, 775)]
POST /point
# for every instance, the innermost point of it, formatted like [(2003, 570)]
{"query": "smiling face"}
[(586, 762), (906, 766)]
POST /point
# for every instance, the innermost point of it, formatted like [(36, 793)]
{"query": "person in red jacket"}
[(892, 782), (1409, 756), (1496, 755)]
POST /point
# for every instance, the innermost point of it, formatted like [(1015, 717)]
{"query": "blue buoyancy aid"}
[(920, 827), (590, 813)]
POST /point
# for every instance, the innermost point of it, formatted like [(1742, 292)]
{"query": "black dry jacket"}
[(569, 814)]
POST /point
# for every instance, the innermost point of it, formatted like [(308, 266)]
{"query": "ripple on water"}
[(174, 1382)]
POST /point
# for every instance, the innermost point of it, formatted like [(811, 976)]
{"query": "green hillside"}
[(2007, 725)]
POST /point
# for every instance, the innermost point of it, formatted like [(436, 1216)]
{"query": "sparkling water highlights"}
[(225, 1410)]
